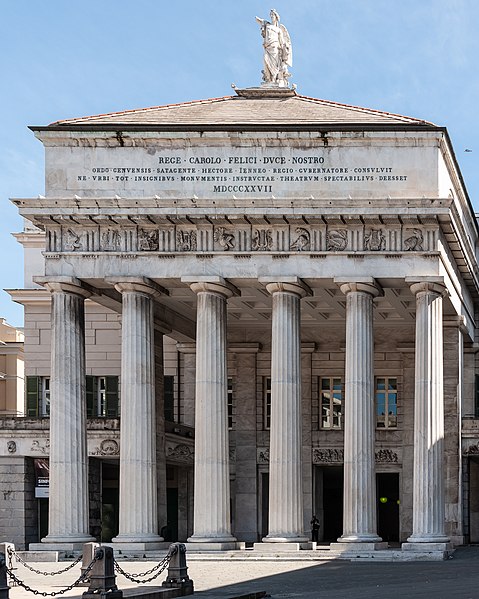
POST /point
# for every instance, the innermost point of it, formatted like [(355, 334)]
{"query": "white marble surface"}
[(138, 517), (212, 484), (285, 523), (359, 513), (428, 476), (68, 512)]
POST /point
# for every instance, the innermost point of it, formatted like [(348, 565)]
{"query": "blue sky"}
[(61, 59)]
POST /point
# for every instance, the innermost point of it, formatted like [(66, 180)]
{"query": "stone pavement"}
[(457, 578)]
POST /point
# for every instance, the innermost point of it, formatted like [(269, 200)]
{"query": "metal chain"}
[(160, 567), (24, 563), (82, 578)]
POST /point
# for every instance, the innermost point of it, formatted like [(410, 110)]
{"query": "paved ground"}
[(457, 578)]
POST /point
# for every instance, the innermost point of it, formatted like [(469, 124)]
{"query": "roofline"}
[(461, 179), (323, 127)]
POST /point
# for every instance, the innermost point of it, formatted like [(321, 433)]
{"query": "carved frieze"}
[(181, 453), (107, 447), (280, 239), (327, 456), (330, 455), (336, 240), (386, 456), (42, 446), (472, 449), (186, 241), (302, 243), (148, 240), (414, 240), (262, 240), (375, 241), (72, 241), (110, 240), (225, 239), (262, 455)]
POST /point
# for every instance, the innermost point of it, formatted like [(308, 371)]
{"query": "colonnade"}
[(138, 496)]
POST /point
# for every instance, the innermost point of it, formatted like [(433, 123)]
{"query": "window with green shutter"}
[(102, 396), (33, 389)]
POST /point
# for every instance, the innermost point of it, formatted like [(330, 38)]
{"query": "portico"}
[(304, 309)]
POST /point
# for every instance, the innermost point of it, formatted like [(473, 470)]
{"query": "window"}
[(38, 396), (267, 403), (169, 398), (230, 405), (331, 403), (386, 402), (45, 397), (102, 396)]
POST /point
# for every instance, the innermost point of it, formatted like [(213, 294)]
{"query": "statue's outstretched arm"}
[(260, 21)]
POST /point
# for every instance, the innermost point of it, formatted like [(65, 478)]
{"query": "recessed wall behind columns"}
[(453, 388), (18, 509), (102, 339)]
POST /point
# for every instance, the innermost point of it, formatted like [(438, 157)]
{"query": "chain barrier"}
[(79, 580), (158, 569), (12, 554)]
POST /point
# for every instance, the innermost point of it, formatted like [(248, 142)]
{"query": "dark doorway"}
[(264, 503), (388, 506), (110, 500), (170, 532), (332, 486)]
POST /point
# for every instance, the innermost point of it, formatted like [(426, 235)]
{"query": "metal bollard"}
[(178, 571), (4, 588), (11, 560), (88, 555), (102, 576)]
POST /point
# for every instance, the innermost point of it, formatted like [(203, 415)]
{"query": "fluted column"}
[(138, 515), (212, 484), (428, 486), (359, 513), (285, 522), (68, 502)]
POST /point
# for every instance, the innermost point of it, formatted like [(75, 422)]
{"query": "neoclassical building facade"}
[(242, 312)]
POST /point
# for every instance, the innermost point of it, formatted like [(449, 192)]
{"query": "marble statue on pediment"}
[(278, 51)]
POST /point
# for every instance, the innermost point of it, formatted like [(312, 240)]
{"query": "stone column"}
[(138, 517), (285, 523), (212, 524), (68, 502), (428, 483), (359, 512)]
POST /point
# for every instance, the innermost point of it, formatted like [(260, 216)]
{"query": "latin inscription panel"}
[(243, 172)]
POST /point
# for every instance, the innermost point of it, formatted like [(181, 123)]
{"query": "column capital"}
[(362, 284), (211, 284), (427, 284), (286, 285), (65, 284), (137, 284)]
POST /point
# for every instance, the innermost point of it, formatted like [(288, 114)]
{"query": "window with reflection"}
[(386, 402), (331, 402)]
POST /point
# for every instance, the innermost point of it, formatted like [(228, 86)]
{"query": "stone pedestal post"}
[(285, 524), (138, 517), (68, 502), (428, 486), (359, 512), (212, 527)]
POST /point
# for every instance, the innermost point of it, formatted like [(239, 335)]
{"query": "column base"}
[(276, 547), (66, 547), (357, 547), (445, 549), (214, 546), (139, 543)]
